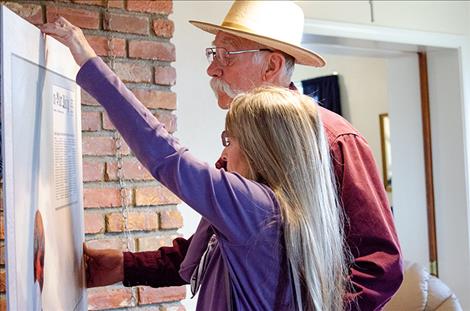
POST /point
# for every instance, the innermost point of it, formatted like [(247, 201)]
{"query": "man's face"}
[(240, 75)]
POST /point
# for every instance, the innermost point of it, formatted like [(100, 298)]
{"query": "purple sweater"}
[(243, 214)]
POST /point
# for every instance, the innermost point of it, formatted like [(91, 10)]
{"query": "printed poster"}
[(42, 179)]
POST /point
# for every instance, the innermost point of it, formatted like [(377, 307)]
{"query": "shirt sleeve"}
[(227, 200), (377, 271), (158, 268)]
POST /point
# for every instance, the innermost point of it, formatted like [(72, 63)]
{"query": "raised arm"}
[(217, 195)]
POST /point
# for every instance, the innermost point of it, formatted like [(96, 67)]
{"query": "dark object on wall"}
[(325, 90)]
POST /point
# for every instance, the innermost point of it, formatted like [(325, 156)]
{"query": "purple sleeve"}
[(228, 201), (377, 271)]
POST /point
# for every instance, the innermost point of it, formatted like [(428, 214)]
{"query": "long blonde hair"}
[(283, 139)]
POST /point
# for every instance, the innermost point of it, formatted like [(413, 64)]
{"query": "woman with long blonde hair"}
[(271, 222), (282, 138)]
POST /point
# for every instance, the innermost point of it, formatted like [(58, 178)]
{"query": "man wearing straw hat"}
[(258, 43)]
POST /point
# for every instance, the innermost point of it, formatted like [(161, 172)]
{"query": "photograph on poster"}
[(41, 141), (38, 259)]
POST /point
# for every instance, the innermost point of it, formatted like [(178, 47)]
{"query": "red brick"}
[(80, 18), (3, 304), (165, 75), (135, 222), (126, 23), (93, 170), (172, 307), (107, 124), (131, 169), (155, 50), (158, 195), (133, 72), (30, 12), (155, 99), (90, 2), (109, 298), (98, 146), (2, 227), (2, 254), (101, 197), (94, 223), (148, 295), (171, 219), (106, 46), (150, 243), (155, 6), (91, 121), (117, 4), (168, 119), (101, 145), (87, 99), (110, 244), (163, 27), (3, 283)]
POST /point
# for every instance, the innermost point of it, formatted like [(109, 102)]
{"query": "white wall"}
[(409, 193), (449, 172), (436, 16)]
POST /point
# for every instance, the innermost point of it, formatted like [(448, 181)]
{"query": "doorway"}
[(448, 68)]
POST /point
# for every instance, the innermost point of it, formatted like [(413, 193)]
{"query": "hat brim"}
[(302, 56)]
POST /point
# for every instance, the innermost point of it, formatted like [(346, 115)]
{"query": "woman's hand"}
[(72, 37)]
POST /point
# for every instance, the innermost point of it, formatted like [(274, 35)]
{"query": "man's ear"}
[(274, 68)]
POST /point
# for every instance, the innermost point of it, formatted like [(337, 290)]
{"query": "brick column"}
[(135, 36)]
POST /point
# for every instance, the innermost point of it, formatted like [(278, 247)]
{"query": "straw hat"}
[(276, 24)]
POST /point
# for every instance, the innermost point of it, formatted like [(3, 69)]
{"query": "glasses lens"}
[(222, 56), (225, 140), (210, 54)]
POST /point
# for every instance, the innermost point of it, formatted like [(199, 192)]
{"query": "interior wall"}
[(449, 167), (409, 193), (451, 17)]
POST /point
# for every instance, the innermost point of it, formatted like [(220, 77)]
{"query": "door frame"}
[(425, 41)]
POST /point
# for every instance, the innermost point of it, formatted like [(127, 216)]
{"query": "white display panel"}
[(41, 146)]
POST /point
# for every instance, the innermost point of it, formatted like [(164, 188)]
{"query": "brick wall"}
[(134, 36)]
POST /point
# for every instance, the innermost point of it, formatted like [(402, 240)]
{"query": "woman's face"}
[(236, 160)]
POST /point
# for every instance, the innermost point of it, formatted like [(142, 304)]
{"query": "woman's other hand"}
[(72, 37)]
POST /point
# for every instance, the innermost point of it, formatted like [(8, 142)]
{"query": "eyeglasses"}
[(225, 139), (223, 56)]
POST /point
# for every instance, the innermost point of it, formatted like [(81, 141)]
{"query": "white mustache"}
[(218, 85)]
